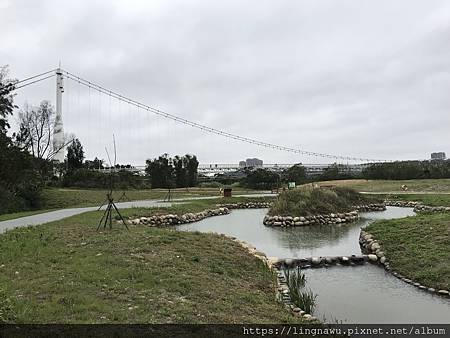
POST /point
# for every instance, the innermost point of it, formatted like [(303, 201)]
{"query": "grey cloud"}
[(357, 78)]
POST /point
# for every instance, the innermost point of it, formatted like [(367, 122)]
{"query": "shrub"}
[(307, 201)]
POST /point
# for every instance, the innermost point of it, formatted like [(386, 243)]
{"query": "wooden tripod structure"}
[(111, 206), (107, 215)]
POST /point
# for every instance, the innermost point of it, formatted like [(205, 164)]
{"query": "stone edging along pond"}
[(369, 244), (418, 206), (282, 291), (333, 218), (172, 219)]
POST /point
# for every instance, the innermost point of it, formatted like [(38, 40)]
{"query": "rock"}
[(372, 258), (307, 316), (296, 309), (375, 246), (329, 260), (345, 260), (316, 260), (383, 260), (288, 261), (443, 292)]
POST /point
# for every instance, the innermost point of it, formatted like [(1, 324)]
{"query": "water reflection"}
[(295, 242), (367, 294)]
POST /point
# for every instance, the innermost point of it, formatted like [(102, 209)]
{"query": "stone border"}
[(402, 204), (426, 208), (246, 205), (323, 261), (369, 244), (418, 206), (289, 221), (172, 219), (282, 290), (371, 207), (333, 218)]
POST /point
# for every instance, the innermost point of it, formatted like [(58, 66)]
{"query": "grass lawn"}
[(427, 199), (417, 247), (429, 185), (6, 217), (66, 272), (66, 198)]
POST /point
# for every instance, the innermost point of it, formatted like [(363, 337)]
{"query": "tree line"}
[(408, 170), (176, 172)]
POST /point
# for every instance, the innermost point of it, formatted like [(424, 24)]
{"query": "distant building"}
[(438, 156), (251, 162)]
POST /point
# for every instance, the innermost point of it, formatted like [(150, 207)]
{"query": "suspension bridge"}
[(63, 77)]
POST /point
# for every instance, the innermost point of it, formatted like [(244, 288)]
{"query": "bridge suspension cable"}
[(17, 84), (208, 129)]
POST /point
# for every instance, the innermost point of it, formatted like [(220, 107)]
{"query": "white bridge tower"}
[(58, 130)]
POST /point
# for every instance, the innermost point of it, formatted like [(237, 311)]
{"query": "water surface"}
[(359, 294), (293, 242)]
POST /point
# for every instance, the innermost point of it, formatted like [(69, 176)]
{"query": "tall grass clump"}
[(313, 201), (7, 314), (301, 296)]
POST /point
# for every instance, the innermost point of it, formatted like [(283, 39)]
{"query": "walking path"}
[(64, 213)]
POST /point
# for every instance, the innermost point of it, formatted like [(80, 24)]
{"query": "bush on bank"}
[(313, 201)]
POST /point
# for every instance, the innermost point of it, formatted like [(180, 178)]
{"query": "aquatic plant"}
[(301, 296)]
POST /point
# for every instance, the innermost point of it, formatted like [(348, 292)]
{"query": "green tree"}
[(191, 170), (261, 179), (160, 171), (94, 164), (296, 173), (20, 183), (75, 155), (180, 171)]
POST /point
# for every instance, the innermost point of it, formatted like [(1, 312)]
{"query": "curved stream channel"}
[(357, 294)]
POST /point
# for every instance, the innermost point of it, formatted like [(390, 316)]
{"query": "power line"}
[(164, 114)]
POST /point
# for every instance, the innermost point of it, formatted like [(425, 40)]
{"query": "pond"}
[(293, 242), (376, 296)]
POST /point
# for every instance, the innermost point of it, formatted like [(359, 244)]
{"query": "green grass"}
[(192, 206), (6, 217), (425, 185), (314, 201), (427, 199), (417, 247), (65, 198), (66, 272)]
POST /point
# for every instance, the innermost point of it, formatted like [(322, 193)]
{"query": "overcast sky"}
[(358, 78)]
